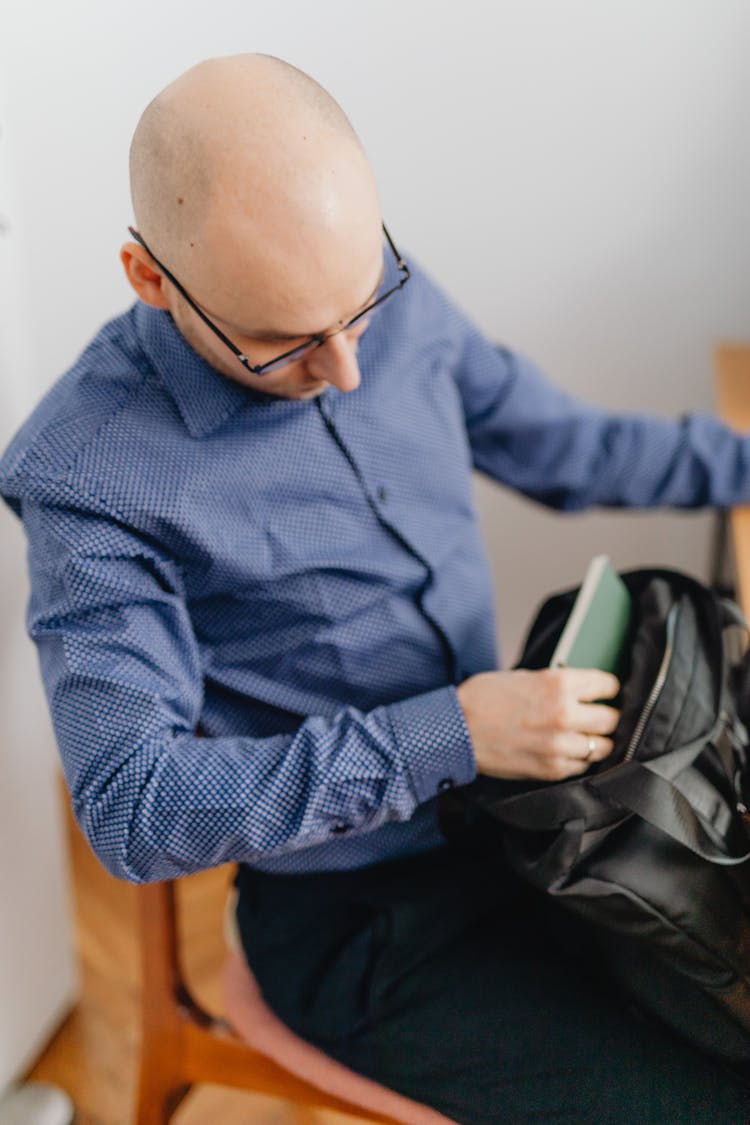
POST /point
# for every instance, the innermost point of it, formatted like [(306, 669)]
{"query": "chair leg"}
[(162, 1082), (157, 1099)]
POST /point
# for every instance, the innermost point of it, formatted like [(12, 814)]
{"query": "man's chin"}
[(309, 392)]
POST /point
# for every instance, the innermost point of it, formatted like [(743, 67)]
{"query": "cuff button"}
[(445, 783)]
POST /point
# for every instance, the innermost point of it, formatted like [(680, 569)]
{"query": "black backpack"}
[(650, 846)]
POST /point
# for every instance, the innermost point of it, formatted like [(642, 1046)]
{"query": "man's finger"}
[(593, 748), (589, 684), (580, 747), (594, 718), (602, 748)]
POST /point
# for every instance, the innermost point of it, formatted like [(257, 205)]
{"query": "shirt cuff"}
[(432, 736)]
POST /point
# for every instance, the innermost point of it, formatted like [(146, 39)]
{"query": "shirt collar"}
[(204, 397)]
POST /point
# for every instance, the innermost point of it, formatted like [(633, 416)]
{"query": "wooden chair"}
[(732, 381), (251, 1049)]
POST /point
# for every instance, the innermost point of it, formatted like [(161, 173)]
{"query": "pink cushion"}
[(255, 1023)]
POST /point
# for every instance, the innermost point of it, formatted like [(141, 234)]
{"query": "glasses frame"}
[(290, 356)]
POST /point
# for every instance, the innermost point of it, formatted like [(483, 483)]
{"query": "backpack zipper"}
[(655, 692)]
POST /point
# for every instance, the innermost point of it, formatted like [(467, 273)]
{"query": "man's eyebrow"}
[(271, 334)]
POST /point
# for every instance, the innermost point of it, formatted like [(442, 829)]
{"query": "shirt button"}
[(445, 783), (382, 494), (338, 828)]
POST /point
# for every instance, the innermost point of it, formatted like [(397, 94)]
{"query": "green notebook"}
[(598, 624)]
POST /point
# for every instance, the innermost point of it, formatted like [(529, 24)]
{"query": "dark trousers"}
[(441, 977)]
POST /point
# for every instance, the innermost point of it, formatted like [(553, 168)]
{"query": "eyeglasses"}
[(299, 350)]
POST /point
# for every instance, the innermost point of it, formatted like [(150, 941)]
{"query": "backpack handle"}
[(644, 791)]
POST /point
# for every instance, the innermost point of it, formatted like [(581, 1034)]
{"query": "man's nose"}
[(336, 360)]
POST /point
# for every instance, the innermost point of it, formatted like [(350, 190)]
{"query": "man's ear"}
[(143, 276)]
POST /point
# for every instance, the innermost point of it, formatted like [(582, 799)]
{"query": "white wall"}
[(38, 980)]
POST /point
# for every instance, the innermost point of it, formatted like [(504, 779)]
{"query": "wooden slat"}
[(230, 1062), (732, 365), (732, 374)]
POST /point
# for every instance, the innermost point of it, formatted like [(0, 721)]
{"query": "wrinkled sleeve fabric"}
[(123, 678), (526, 433)]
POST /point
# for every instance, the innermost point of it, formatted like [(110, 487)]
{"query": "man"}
[(263, 610)]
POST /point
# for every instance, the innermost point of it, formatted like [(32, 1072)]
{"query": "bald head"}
[(240, 149), (252, 188)]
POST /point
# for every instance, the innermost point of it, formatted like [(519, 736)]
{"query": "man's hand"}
[(541, 724)]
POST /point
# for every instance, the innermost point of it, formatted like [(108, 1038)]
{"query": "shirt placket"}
[(375, 499)]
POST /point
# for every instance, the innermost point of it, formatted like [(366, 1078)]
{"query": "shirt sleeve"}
[(122, 672), (526, 433)]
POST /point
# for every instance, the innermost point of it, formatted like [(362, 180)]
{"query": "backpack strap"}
[(641, 789), (543, 809)]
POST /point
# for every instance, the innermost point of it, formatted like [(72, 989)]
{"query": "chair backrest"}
[(732, 382)]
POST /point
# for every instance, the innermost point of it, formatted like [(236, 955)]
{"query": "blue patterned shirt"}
[(251, 612)]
